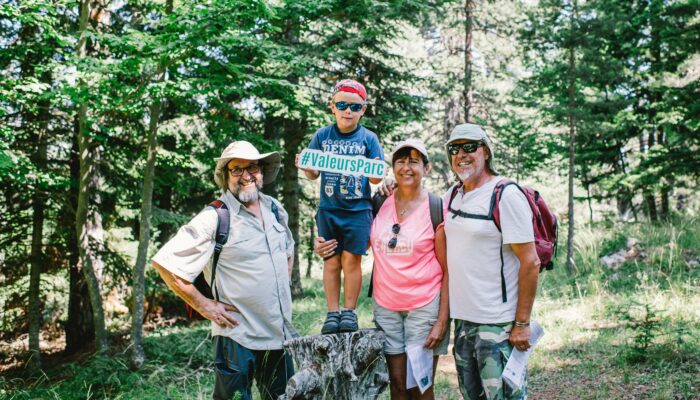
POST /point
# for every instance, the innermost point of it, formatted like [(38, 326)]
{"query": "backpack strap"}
[(275, 210), (436, 213), (377, 202), (495, 214), (460, 213), (494, 210), (222, 230)]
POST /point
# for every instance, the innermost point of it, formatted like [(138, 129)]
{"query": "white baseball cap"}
[(412, 143)]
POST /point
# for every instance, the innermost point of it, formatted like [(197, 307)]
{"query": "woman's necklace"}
[(408, 206)]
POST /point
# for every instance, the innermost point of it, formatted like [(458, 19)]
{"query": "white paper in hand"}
[(419, 367), (516, 367)]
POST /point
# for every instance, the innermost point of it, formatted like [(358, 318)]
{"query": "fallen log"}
[(344, 366)]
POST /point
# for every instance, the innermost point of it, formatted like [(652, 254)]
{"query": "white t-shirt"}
[(474, 248)]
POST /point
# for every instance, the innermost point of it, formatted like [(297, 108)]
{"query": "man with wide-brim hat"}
[(252, 306)]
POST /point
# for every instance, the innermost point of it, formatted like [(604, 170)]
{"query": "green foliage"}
[(642, 320), (622, 99), (591, 328), (261, 70)]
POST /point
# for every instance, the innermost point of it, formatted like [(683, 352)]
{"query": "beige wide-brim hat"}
[(246, 151), (472, 132)]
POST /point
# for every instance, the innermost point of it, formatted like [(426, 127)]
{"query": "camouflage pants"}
[(481, 352)]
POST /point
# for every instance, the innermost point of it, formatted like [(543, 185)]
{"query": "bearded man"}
[(250, 318)]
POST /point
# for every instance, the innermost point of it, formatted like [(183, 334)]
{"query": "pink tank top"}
[(408, 276)]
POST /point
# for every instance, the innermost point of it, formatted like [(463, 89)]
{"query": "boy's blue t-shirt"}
[(346, 192)]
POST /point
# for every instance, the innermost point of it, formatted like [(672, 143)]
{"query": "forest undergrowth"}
[(622, 330)]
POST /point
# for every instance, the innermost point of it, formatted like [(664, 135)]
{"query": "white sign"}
[(516, 367), (419, 367), (346, 165)]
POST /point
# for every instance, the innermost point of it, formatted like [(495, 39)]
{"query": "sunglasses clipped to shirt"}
[(394, 241), (469, 147), (343, 105)]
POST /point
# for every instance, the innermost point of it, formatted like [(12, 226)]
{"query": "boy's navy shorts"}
[(349, 228)]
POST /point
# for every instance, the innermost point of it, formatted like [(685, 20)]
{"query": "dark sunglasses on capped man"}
[(468, 147)]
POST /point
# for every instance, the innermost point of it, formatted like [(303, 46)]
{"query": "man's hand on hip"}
[(520, 337), (216, 312)]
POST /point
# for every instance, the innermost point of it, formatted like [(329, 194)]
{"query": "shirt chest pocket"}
[(279, 237), (244, 244)]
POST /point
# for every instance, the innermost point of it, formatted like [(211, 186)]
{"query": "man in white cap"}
[(253, 308), (493, 272)]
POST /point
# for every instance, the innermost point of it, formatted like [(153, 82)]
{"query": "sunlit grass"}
[(583, 355)]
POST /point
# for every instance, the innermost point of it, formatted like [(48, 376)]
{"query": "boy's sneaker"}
[(348, 321), (332, 323)]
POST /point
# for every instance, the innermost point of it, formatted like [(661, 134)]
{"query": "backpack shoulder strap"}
[(220, 238), (275, 210), (436, 212), (377, 203), (494, 210)]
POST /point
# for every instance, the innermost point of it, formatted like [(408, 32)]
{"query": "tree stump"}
[(344, 366)]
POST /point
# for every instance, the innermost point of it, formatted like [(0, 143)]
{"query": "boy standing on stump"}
[(345, 208)]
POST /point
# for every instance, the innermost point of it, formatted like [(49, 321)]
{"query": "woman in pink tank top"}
[(410, 271)]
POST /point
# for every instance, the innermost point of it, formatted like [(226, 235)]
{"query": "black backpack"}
[(220, 238), (436, 217)]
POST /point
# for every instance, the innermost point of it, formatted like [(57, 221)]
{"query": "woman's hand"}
[(436, 334), (325, 248)]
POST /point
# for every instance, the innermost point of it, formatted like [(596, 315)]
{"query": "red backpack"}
[(544, 222)]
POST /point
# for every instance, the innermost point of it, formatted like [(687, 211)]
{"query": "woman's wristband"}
[(521, 324)]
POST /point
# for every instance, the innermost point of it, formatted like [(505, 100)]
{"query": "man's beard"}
[(248, 194), (464, 175)]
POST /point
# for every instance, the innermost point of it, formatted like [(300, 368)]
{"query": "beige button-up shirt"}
[(252, 272)]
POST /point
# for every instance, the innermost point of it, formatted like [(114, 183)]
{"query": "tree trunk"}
[(340, 367), (164, 196), (570, 241), (272, 135), (310, 252), (654, 11), (137, 354), (85, 146), (293, 135), (665, 206), (590, 203), (468, 34), (36, 125), (80, 330), (37, 259), (649, 196)]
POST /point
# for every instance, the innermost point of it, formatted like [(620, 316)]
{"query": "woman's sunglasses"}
[(343, 105), (394, 241), (469, 147)]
